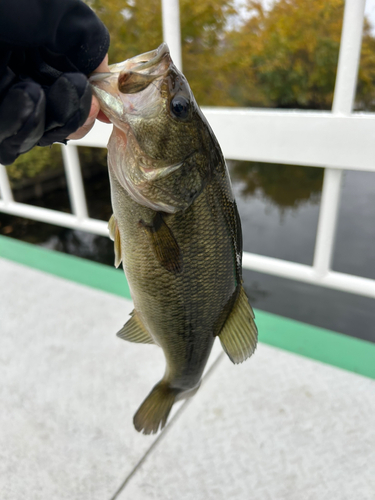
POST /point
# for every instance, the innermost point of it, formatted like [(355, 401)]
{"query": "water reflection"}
[(279, 208), (82, 244), (354, 251), (284, 186)]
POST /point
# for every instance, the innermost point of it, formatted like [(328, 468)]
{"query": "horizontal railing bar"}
[(300, 272), (259, 263), (54, 217), (307, 138), (299, 138)]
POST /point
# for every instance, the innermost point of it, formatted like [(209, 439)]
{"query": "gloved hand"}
[(32, 114), (47, 50)]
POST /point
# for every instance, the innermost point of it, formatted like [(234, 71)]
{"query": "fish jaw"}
[(143, 61), (132, 87)]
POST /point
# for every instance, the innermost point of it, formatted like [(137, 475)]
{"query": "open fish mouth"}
[(143, 62), (137, 73)]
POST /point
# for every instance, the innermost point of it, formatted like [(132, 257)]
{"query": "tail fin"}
[(154, 411)]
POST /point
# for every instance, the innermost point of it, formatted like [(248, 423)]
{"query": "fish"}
[(175, 227)]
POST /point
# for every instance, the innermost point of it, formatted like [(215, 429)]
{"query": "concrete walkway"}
[(279, 426)]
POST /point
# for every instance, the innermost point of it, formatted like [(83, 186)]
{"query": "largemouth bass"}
[(175, 227)]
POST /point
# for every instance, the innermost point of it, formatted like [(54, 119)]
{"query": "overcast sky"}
[(370, 12)]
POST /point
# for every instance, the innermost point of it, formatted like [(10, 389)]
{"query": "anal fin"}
[(239, 334), (114, 234), (134, 331)]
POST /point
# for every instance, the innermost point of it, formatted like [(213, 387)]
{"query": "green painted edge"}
[(73, 268), (323, 345)]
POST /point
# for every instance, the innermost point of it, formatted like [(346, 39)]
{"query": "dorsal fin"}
[(239, 333), (134, 331), (114, 234)]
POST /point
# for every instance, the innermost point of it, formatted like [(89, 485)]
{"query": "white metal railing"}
[(335, 140)]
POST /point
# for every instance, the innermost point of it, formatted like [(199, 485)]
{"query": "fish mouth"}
[(136, 73), (133, 86), (143, 62)]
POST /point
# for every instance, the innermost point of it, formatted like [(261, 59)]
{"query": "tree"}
[(135, 27), (290, 52), (365, 97), (34, 162), (284, 56)]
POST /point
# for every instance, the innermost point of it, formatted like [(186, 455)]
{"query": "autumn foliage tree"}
[(135, 27), (290, 52), (281, 56)]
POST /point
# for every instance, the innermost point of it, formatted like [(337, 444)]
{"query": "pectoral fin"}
[(114, 234), (164, 244), (239, 333), (134, 331)]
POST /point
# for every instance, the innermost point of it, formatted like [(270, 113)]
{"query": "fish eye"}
[(180, 107)]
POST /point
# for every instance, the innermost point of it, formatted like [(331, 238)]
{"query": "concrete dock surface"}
[(279, 426)]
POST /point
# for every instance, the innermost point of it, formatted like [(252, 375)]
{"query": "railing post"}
[(5, 189), (349, 55), (343, 100), (328, 214), (172, 30), (74, 179)]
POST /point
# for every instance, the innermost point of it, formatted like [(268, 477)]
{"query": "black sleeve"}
[(47, 49), (68, 28)]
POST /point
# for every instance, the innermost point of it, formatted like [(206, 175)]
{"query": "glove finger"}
[(68, 106), (22, 119)]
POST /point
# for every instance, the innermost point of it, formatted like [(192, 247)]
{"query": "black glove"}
[(32, 115), (44, 92)]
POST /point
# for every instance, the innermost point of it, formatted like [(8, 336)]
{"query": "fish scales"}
[(175, 225), (192, 300)]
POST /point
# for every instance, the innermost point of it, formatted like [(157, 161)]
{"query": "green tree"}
[(365, 97), (204, 30), (135, 26), (290, 53), (34, 162), (285, 56)]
